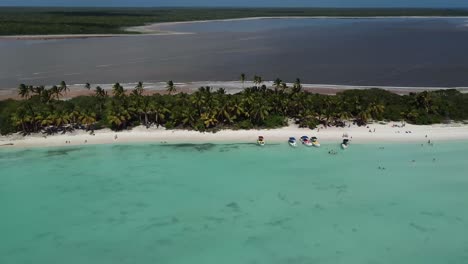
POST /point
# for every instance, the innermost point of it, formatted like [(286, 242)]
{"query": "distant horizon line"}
[(236, 7)]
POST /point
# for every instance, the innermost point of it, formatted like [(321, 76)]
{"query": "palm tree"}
[(363, 116), (55, 91), (277, 84), (188, 117), (159, 111), (170, 87), (147, 107), (258, 112), (209, 119), (375, 110), (118, 90), (198, 100), (74, 117), (23, 91), (119, 118), (21, 118), (61, 118), (221, 91), (45, 95), (236, 107), (138, 89), (297, 86), (224, 112), (88, 86), (101, 94), (242, 78), (284, 86), (258, 80), (64, 87), (38, 90), (88, 119), (48, 120)]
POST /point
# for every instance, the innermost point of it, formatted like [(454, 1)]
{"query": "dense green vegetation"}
[(43, 110), (23, 21)]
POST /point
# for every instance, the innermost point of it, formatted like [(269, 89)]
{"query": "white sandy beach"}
[(383, 134), (154, 28)]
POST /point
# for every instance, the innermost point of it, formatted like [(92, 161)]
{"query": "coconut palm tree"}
[(99, 92), (188, 117), (199, 101), (209, 119), (160, 111), (363, 117), (277, 84), (55, 92), (101, 95), (171, 88), (284, 86), (36, 121), (242, 78), (44, 95), (118, 90), (119, 118), (24, 91), (297, 86), (258, 112), (375, 110), (63, 87), (74, 117), (88, 86), (147, 108), (21, 118), (48, 120), (138, 89), (38, 90), (88, 119), (221, 91), (224, 112), (61, 118), (258, 80), (236, 107)]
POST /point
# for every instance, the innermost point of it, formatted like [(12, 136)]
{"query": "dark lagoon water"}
[(392, 52)]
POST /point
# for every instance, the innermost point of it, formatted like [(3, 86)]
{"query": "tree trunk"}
[(156, 120)]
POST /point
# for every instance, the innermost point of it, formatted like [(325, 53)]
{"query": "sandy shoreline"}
[(230, 87), (332, 135), (86, 36), (154, 29)]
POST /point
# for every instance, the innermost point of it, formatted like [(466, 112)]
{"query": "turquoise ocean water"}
[(235, 203)]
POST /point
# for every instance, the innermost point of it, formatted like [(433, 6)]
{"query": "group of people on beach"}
[(402, 125)]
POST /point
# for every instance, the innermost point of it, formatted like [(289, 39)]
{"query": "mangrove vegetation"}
[(73, 20)]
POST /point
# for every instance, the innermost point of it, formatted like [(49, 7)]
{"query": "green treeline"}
[(24, 21), (43, 110)]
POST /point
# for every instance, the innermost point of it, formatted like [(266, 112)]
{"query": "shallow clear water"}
[(235, 203)]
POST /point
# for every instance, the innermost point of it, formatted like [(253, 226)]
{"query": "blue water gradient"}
[(235, 203)]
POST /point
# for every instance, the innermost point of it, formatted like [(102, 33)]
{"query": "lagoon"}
[(235, 203), (423, 52)]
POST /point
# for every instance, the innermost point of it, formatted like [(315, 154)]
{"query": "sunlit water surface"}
[(235, 203)]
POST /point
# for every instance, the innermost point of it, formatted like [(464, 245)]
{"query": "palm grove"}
[(44, 110)]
